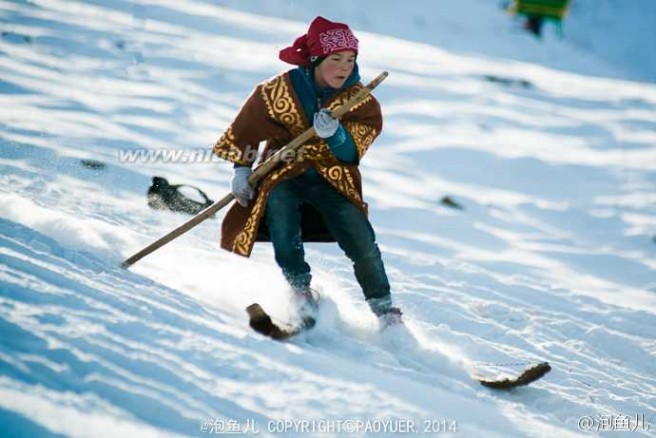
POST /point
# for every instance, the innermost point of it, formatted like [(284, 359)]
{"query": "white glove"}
[(239, 185), (324, 124)]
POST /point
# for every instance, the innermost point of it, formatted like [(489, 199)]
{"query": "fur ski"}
[(261, 322)]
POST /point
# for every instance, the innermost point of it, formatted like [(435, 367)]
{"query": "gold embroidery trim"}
[(347, 96), (280, 105), (316, 151), (227, 149), (243, 243), (340, 177), (363, 136)]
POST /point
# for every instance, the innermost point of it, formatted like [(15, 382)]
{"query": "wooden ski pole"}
[(260, 172)]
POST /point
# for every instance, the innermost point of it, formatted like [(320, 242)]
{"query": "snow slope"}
[(549, 146)]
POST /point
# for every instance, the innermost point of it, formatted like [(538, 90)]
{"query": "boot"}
[(306, 303), (391, 318)]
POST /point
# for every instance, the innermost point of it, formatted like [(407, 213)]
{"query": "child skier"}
[(316, 195)]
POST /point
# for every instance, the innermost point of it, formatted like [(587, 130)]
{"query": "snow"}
[(550, 147)]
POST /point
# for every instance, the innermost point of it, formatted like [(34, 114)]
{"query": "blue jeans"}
[(345, 222)]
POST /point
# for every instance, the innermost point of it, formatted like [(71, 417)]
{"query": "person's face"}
[(335, 69)]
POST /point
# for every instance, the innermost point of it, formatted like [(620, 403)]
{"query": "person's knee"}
[(358, 241), (363, 251), (283, 221), (279, 208)]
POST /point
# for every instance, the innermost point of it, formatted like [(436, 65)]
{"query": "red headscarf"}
[(322, 38)]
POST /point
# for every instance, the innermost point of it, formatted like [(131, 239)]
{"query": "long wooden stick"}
[(259, 173)]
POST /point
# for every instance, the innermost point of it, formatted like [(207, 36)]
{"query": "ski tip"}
[(529, 375), (261, 322), (255, 311)]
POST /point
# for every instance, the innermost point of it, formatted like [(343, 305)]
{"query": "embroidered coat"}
[(274, 113)]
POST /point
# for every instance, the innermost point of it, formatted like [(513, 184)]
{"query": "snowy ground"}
[(551, 259)]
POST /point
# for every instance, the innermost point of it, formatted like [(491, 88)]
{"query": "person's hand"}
[(241, 189), (324, 124)]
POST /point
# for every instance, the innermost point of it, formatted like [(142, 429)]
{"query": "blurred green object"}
[(537, 11), (552, 9)]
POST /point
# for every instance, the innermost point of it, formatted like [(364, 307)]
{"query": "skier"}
[(315, 195), (538, 11)]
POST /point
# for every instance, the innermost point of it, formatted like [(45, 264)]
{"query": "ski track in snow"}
[(551, 258)]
